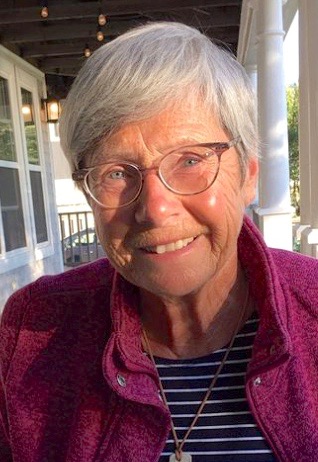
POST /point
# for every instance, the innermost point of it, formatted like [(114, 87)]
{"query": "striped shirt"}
[(226, 430)]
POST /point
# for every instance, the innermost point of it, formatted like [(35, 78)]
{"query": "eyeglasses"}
[(186, 171)]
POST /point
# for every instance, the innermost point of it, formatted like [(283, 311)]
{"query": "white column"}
[(274, 212), (251, 70), (308, 125)]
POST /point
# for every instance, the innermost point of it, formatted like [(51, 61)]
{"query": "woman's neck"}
[(197, 324)]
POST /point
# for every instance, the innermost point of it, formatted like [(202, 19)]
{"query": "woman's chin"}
[(170, 284)]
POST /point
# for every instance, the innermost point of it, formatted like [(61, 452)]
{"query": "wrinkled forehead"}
[(181, 123)]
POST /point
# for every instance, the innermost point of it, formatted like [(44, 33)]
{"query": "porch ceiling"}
[(55, 45)]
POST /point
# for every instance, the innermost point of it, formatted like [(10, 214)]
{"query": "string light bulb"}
[(100, 35), (102, 19), (87, 51), (44, 12)]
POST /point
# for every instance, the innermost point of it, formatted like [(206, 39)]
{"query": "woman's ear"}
[(250, 181)]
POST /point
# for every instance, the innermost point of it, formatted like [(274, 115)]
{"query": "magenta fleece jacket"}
[(75, 386)]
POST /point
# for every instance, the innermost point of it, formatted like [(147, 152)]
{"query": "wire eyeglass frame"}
[(215, 149)]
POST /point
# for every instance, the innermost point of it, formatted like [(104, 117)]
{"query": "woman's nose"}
[(156, 204)]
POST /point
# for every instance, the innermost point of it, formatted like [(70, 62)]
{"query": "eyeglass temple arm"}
[(219, 148), (79, 175), (234, 141)]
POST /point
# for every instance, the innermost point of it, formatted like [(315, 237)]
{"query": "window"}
[(25, 212), (34, 165), (12, 216)]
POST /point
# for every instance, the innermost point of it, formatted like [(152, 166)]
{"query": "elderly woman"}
[(193, 341)]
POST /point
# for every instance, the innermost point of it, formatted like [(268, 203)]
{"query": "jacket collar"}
[(272, 343)]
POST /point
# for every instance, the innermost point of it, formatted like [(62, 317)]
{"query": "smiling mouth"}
[(171, 247)]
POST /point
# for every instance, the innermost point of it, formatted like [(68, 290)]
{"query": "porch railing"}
[(79, 240)]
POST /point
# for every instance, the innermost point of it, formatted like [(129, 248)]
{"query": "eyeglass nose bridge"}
[(145, 171)]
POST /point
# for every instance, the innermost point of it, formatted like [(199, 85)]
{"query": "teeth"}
[(170, 247)]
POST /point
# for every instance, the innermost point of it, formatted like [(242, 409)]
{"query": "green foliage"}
[(32, 144), (7, 148), (292, 119)]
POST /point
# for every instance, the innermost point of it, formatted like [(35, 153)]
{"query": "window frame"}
[(28, 83), (18, 78)]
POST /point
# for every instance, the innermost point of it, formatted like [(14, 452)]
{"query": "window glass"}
[(39, 208), (7, 147), (11, 209), (29, 127)]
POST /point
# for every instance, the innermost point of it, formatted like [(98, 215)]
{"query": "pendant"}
[(184, 458)]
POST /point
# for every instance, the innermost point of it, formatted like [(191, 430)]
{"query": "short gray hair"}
[(139, 73)]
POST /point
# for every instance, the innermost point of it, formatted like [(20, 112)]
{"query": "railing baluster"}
[(79, 226)]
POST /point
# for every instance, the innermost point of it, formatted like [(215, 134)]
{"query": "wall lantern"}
[(52, 110)]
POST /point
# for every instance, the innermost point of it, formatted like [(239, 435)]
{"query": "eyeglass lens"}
[(189, 172)]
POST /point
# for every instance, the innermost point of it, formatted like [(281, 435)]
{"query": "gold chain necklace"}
[(179, 455)]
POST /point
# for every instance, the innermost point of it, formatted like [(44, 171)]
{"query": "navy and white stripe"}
[(226, 430)]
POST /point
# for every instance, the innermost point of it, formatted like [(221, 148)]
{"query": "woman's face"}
[(140, 239)]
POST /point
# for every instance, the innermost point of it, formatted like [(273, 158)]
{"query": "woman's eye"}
[(117, 175), (190, 162)]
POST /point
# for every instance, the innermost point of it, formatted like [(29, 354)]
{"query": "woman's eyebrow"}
[(107, 154)]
